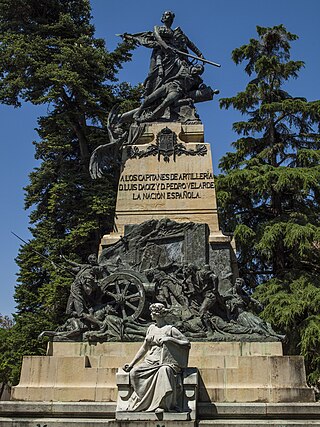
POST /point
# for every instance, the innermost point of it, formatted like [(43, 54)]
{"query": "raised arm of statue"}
[(145, 38)]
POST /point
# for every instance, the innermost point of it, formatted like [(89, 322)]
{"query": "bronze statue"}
[(173, 80), (171, 89), (84, 292), (156, 262)]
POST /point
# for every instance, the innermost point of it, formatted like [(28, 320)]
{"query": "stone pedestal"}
[(241, 384), (188, 399), (228, 372)]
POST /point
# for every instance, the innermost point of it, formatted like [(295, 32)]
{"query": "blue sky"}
[(216, 27)]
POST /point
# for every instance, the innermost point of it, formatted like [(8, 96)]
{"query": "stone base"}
[(152, 416), (85, 414), (187, 402), (229, 372)]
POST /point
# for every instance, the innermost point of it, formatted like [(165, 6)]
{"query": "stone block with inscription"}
[(167, 173)]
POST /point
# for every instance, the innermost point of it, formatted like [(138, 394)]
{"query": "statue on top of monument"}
[(171, 89), (173, 83)]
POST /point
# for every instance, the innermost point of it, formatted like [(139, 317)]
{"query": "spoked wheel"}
[(125, 292)]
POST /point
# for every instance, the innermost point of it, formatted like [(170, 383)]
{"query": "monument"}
[(166, 255)]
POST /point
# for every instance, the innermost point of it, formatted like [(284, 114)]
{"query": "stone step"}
[(257, 410), (55, 409), (105, 393), (91, 414), (283, 371), (206, 411), (88, 422), (64, 393), (211, 361), (255, 394), (56, 422), (258, 423)]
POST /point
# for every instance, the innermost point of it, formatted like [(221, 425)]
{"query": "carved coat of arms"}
[(166, 146), (166, 142)]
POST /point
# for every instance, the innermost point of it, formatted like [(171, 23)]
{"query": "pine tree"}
[(269, 192), (49, 56), (6, 324)]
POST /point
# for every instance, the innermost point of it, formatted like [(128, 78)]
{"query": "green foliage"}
[(292, 305), (4, 360), (269, 191), (18, 341), (49, 56)]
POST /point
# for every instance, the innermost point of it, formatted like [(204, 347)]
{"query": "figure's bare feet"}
[(159, 411)]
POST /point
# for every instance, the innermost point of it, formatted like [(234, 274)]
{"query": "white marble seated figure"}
[(156, 382)]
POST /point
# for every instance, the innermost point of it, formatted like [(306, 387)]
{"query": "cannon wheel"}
[(125, 291)]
